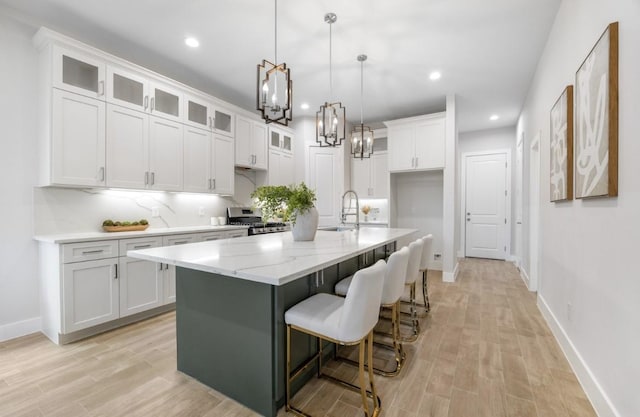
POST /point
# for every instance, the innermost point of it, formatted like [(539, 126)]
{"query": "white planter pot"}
[(306, 224)]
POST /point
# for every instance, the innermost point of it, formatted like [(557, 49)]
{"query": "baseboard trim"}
[(20, 328), (599, 399), (525, 277), (450, 276)]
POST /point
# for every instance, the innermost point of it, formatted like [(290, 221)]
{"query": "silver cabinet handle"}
[(210, 183), (153, 178), (101, 174), (101, 88), (146, 178), (210, 122), (181, 242), (116, 269), (153, 103), (146, 102), (416, 162), (90, 252), (148, 245), (214, 184), (166, 266), (160, 269)]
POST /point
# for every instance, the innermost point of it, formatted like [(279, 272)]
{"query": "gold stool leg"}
[(376, 399), (363, 387)]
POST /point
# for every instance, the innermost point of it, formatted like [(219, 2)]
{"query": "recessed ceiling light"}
[(435, 75), (494, 117), (192, 42), (304, 106)]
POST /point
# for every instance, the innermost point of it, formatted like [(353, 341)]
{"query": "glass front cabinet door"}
[(78, 73)]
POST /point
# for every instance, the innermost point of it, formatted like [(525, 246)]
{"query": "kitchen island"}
[(231, 296)]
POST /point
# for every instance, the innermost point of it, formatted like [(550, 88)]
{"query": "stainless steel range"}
[(246, 216)]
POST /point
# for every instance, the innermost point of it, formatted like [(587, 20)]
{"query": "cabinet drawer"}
[(173, 240), (237, 233), (206, 237), (89, 251), (139, 243)]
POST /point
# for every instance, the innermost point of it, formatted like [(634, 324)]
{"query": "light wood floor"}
[(485, 351)]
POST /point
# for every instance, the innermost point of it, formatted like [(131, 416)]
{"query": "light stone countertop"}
[(272, 258), (151, 231)]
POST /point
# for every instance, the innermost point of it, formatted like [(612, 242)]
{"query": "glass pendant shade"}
[(274, 92), (330, 126), (274, 87), (361, 142)]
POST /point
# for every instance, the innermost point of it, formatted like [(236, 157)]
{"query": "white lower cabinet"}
[(95, 284), (141, 282), (90, 294)]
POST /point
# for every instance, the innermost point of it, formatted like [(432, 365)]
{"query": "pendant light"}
[(361, 136), (330, 119), (274, 87)]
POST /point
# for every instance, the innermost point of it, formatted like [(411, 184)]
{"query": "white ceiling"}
[(486, 50)]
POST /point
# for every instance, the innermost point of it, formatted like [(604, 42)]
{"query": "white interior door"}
[(326, 175), (486, 205)]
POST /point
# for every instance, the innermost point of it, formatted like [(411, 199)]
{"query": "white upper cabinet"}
[(370, 176), (78, 140), (139, 91), (143, 151), (208, 166), (78, 72), (223, 181), (416, 143), (251, 143), (281, 168), (110, 123), (280, 139)]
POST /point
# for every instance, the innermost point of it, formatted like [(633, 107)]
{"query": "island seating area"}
[(231, 297)]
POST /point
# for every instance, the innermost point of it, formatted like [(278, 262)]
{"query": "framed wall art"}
[(596, 119), (561, 147)]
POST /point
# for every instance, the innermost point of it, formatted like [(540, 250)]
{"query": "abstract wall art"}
[(561, 147), (596, 119)]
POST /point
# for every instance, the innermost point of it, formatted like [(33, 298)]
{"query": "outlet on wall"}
[(155, 212), (200, 211)]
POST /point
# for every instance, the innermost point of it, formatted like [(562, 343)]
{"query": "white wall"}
[(19, 311), (589, 246), (418, 199), (486, 140)]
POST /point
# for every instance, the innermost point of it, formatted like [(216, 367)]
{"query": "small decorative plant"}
[(284, 202)]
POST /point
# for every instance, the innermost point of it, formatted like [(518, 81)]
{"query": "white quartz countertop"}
[(151, 231), (272, 258)]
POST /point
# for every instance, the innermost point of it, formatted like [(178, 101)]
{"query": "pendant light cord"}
[(361, 92), (276, 34), (330, 65)]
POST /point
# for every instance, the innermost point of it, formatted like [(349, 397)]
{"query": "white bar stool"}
[(391, 292), (424, 268), (345, 321), (413, 270)]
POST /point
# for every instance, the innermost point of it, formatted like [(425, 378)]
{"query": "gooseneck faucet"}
[(348, 211)]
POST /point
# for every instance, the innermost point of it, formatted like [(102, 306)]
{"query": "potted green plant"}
[(293, 203)]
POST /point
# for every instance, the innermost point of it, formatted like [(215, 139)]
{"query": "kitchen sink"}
[(336, 228)]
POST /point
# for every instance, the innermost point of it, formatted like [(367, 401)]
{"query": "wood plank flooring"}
[(484, 351)]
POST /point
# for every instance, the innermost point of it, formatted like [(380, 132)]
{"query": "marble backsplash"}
[(73, 210)]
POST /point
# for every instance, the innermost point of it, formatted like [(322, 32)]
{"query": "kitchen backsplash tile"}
[(68, 210)]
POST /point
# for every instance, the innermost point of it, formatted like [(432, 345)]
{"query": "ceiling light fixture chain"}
[(274, 86), (362, 136), (331, 118)]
